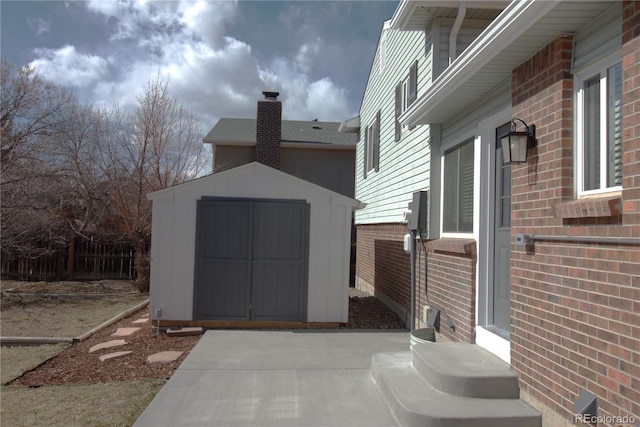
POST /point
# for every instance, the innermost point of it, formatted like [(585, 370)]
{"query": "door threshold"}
[(488, 338)]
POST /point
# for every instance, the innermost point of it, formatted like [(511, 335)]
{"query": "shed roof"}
[(261, 178), (230, 131)]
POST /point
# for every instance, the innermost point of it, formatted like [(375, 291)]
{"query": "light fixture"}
[(516, 143)]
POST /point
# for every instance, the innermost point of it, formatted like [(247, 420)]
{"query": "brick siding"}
[(575, 306), (269, 132), (384, 266)]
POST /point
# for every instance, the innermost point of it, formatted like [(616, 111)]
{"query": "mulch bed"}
[(77, 365)]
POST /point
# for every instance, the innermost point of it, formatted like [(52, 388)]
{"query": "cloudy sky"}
[(218, 55)]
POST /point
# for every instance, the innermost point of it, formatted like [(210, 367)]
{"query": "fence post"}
[(70, 256)]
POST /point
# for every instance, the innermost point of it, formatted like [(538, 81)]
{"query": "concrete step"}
[(466, 370), (415, 402)]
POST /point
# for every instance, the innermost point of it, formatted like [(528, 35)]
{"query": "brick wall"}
[(269, 132), (451, 280), (631, 115), (384, 269), (575, 306), (382, 264)]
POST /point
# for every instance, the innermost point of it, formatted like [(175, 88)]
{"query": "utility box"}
[(418, 215)]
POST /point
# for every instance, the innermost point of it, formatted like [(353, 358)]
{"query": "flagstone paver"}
[(114, 355), (108, 344), (164, 357), (124, 332), (138, 321)]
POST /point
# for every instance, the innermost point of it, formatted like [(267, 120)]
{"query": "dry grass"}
[(18, 360), (82, 405), (65, 309), (62, 309)]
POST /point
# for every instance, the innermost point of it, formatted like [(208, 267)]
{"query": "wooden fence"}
[(81, 260)]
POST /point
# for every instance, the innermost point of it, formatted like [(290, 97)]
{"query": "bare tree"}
[(155, 146), (31, 221), (30, 107)]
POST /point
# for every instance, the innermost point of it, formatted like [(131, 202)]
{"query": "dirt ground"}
[(72, 387)]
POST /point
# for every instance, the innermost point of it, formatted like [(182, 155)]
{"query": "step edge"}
[(406, 415), (481, 386)]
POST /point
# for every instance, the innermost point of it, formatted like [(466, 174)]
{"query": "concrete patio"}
[(277, 378)]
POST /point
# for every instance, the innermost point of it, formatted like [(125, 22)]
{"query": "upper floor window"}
[(457, 189), (406, 94), (599, 128), (372, 146)]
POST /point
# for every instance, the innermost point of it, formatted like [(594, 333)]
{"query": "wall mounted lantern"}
[(516, 143)]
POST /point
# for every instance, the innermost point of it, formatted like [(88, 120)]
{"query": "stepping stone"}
[(108, 344), (124, 332), (113, 355), (164, 357), (138, 321), (184, 332)]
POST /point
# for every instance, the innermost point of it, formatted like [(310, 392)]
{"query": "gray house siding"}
[(329, 168)]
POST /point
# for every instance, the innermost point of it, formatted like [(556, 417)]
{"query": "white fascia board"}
[(517, 18), (351, 125), (402, 14)]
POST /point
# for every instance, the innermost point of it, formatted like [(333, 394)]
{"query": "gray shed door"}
[(251, 260)]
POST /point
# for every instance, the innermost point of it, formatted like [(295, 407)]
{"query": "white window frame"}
[(405, 94), (581, 77), (369, 142), (474, 141), (405, 99)]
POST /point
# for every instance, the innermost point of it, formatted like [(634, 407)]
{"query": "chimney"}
[(269, 130)]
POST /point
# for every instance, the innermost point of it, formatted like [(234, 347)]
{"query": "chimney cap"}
[(271, 95)]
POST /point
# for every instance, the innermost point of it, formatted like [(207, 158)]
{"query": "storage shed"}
[(250, 244)]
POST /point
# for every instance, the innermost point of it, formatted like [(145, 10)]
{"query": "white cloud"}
[(39, 25), (305, 56), (68, 67), (212, 74)]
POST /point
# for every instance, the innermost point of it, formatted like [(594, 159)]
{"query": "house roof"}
[(523, 28), (229, 131)]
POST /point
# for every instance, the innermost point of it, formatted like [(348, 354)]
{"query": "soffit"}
[(418, 15), (520, 31)]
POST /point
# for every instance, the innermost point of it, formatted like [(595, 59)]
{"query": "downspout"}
[(412, 321), (453, 35)]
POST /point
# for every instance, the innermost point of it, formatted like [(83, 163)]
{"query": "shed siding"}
[(174, 225)]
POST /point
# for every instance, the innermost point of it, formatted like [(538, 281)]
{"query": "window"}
[(458, 189), (599, 128), (406, 94), (372, 146), (369, 133)]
